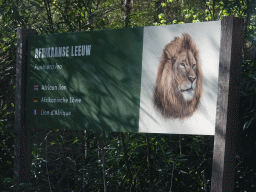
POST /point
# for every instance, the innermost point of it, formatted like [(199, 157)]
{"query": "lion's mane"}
[(166, 97)]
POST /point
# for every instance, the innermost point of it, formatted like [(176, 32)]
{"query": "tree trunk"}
[(127, 162), (86, 143), (180, 144), (90, 19), (245, 46), (49, 15), (127, 7), (158, 10), (148, 163), (103, 161), (213, 10)]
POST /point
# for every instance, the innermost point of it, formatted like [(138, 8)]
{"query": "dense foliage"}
[(65, 160)]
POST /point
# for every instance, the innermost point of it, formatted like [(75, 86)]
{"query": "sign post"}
[(223, 168), (22, 145)]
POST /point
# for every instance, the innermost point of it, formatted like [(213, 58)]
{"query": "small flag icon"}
[(36, 87), (35, 111), (35, 100)]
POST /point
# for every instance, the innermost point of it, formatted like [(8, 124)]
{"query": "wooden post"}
[(22, 143), (223, 168)]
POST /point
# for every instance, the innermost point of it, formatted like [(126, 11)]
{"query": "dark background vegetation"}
[(132, 161)]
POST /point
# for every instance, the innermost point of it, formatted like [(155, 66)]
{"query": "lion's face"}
[(185, 68), (178, 87)]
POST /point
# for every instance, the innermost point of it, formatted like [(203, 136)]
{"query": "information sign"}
[(80, 80), (157, 79)]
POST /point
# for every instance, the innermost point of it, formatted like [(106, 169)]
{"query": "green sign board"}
[(85, 80), (156, 79)]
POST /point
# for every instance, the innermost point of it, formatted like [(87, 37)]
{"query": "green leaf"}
[(200, 13), (161, 16), (4, 107), (225, 12), (163, 4), (183, 172), (8, 180), (247, 124), (52, 143), (187, 16), (163, 21), (185, 11), (174, 21)]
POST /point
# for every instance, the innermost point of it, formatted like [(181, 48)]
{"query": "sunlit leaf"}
[(163, 4)]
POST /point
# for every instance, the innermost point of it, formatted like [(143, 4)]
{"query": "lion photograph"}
[(178, 87), (179, 78)]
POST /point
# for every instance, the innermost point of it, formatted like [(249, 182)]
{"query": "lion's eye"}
[(182, 64), (193, 66)]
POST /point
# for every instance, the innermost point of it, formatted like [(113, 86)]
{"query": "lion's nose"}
[(192, 78)]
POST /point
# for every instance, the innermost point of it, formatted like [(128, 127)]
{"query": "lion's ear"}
[(166, 54)]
